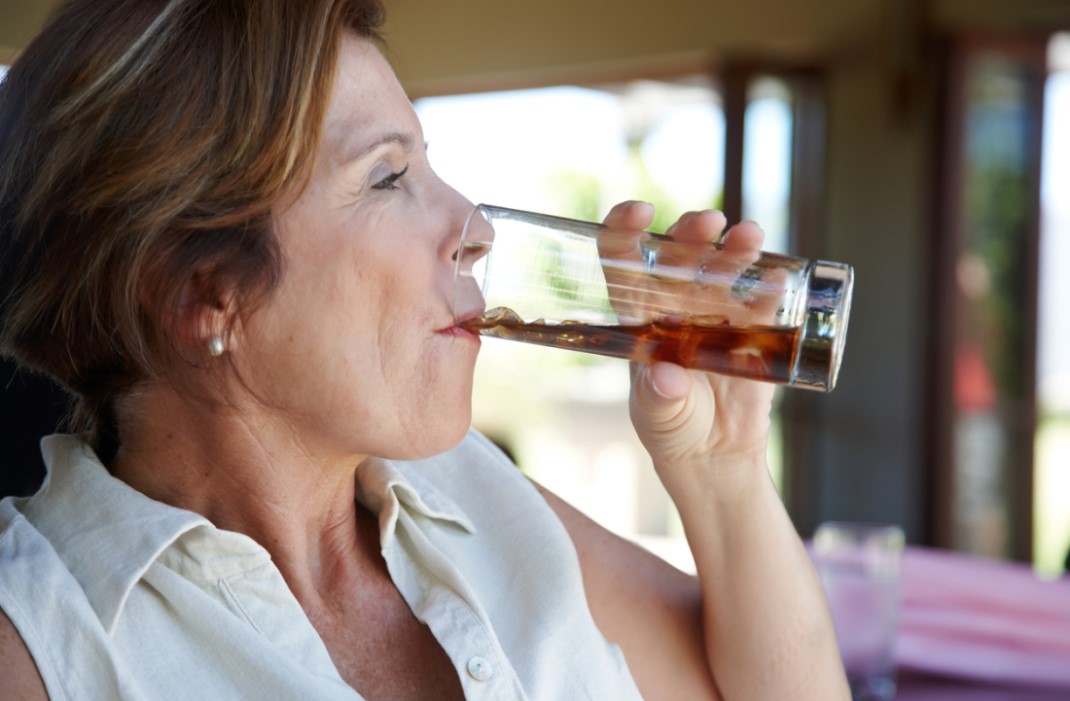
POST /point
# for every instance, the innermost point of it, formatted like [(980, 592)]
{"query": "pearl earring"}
[(215, 346)]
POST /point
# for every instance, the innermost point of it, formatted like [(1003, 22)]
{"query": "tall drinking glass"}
[(643, 296)]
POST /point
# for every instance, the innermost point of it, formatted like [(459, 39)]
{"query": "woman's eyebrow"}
[(404, 139)]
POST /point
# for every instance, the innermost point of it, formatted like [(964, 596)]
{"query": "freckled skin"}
[(365, 293)]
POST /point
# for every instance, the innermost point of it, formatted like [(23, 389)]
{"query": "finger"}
[(744, 237), (688, 242), (622, 258), (660, 387), (632, 215), (736, 291), (759, 289), (739, 248), (698, 227), (670, 382), (622, 228)]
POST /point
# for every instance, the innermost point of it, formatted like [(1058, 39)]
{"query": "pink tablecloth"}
[(984, 620)]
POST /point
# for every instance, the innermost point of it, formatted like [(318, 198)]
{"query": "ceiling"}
[(440, 46)]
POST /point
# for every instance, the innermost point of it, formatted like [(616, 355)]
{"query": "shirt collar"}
[(386, 487), (106, 532)]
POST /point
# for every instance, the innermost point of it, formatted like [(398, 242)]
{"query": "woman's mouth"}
[(460, 329), (460, 332)]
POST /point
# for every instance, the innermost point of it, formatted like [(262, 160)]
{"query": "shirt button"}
[(479, 669)]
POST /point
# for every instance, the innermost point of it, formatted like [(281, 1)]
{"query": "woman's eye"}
[(390, 181)]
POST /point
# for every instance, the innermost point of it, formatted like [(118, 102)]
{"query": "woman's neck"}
[(244, 470)]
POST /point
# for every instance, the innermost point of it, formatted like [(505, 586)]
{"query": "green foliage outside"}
[(584, 196)]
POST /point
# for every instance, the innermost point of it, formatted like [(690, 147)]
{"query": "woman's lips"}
[(458, 329), (460, 332)]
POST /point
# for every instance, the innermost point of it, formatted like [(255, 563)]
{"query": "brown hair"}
[(143, 143)]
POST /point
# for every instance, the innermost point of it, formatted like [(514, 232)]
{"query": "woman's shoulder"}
[(27, 565), (21, 678)]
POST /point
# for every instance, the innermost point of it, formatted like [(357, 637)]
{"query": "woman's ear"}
[(206, 312)]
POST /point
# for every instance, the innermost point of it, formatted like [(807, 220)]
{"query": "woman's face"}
[(357, 350)]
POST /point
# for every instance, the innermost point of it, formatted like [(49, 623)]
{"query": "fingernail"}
[(657, 390)]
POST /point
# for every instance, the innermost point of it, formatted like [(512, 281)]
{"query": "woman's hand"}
[(683, 416)]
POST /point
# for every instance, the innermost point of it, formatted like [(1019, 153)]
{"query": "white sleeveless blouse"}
[(118, 596)]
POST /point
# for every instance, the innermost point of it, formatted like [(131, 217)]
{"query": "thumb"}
[(661, 390)]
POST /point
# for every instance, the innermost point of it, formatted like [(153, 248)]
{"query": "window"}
[(767, 158), (1051, 518), (983, 392)]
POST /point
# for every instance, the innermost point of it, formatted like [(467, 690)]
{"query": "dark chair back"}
[(30, 407)]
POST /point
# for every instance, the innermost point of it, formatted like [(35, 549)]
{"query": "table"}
[(989, 621), (914, 687)]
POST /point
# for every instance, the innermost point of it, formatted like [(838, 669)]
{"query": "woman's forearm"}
[(768, 631)]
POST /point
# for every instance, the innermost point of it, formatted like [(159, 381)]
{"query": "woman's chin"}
[(434, 440)]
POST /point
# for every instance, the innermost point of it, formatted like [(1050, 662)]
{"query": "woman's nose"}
[(466, 228), (475, 241)]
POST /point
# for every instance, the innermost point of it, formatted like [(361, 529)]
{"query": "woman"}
[(221, 233)]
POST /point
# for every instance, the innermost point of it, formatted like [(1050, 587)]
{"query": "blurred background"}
[(925, 142)]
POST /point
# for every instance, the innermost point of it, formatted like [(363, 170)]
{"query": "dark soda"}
[(764, 353)]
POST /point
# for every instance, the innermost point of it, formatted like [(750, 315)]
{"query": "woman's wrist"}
[(720, 479)]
